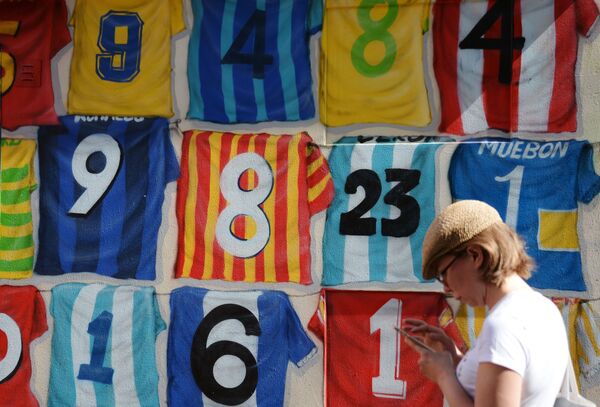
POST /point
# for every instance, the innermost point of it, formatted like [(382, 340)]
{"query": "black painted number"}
[(352, 222), (203, 358), (506, 44), (258, 59)]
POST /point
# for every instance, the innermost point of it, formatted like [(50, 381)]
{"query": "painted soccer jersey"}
[(101, 194), (17, 181), (232, 348), (580, 323), (122, 57), (509, 64), (388, 191), (250, 61), (372, 62), (535, 186), (31, 33), (367, 363), (22, 319), (244, 204), (103, 346)]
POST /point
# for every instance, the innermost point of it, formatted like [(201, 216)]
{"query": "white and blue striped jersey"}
[(103, 346), (385, 199)]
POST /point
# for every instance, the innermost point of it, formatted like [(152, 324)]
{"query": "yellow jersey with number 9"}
[(371, 62), (122, 57)]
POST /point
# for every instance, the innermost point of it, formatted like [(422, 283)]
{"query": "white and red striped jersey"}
[(509, 64)]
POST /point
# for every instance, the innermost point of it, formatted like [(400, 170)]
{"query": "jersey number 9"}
[(120, 41)]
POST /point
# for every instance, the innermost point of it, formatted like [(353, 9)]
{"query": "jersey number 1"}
[(388, 384)]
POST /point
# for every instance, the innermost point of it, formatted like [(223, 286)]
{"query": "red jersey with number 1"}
[(509, 64), (367, 362), (31, 33), (22, 319), (244, 203)]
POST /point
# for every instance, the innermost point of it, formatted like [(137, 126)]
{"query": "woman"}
[(521, 354)]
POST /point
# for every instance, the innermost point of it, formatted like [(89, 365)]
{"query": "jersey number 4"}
[(507, 44), (258, 58), (352, 222)]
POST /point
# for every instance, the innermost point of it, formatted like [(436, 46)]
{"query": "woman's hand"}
[(437, 366), (434, 337)]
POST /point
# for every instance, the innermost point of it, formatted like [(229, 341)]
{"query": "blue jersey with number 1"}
[(535, 186), (249, 60), (102, 186)]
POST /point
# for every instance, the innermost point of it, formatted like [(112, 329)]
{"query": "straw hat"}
[(455, 225)]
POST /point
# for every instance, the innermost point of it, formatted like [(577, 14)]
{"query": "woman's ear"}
[(476, 253)]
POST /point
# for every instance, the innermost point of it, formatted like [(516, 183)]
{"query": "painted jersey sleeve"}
[(320, 184), (588, 179), (587, 14)]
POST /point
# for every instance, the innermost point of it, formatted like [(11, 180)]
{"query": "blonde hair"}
[(503, 253)]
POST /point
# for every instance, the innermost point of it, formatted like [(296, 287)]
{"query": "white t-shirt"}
[(523, 332)]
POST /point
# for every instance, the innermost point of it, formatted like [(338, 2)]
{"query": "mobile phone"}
[(414, 339)]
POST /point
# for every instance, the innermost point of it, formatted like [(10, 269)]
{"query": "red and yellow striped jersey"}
[(244, 204)]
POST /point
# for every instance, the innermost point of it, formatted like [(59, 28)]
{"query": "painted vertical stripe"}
[(213, 204), (259, 273), (356, 248), (105, 393), (425, 159), (400, 247), (81, 316), (227, 38), (194, 80), (333, 242), (378, 244), (562, 111), (228, 258), (190, 180), (123, 342), (276, 155), (537, 64), (110, 227), (285, 48), (471, 70), (249, 266), (273, 86), (218, 251), (67, 226), (203, 169), (294, 157)]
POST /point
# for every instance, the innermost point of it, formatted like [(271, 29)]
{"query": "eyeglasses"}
[(441, 277)]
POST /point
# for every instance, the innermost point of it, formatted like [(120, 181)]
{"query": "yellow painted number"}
[(7, 61)]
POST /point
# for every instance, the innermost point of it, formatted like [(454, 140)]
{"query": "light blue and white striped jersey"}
[(249, 61), (103, 346), (232, 348), (387, 193)]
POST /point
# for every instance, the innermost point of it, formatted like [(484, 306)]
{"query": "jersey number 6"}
[(14, 347)]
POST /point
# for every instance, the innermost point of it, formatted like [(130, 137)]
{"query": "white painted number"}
[(14, 346), (388, 384), (244, 203), (95, 184), (515, 179)]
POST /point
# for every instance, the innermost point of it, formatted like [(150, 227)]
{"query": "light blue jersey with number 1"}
[(103, 347)]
